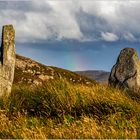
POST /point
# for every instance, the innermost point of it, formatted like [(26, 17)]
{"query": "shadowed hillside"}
[(100, 76)]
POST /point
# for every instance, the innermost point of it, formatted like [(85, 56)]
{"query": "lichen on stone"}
[(126, 72), (7, 66)]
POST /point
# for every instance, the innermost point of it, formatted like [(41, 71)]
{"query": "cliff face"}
[(30, 72)]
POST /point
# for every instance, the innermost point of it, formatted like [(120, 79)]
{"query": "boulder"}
[(126, 72)]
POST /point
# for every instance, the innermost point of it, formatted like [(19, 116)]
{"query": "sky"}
[(73, 34)]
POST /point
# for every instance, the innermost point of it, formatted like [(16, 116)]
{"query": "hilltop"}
[(30, 72)]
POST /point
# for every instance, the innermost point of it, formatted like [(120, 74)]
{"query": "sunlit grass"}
[(62, 110)]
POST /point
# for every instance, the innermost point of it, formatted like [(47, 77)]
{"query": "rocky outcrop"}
[(7, 64), (126, 72), (30, 72)]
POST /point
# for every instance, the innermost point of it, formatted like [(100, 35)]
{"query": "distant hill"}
[(98, 75), (30, 72)]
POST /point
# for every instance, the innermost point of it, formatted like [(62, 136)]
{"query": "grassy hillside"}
[(30, 72), (59, 109), (49, 102)]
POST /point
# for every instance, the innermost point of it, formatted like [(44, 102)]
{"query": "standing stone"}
[(7, 65), (126, 72)]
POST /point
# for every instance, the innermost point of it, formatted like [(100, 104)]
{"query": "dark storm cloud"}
[(85, 21), (91, 25), (23, 5)]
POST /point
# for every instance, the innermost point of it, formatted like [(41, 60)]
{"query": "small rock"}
[(36, 82), (87, 83), (38, 72), (45, 77), (70, 79)]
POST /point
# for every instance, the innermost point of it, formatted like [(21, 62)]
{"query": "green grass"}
[(63, 110)]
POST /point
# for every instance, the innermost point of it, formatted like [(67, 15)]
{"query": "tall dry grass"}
[(62, 110)]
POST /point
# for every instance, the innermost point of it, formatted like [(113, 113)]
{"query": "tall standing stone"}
[(126, 72), (7, 65)]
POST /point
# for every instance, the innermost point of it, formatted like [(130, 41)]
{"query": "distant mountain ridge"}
[(98, 75)]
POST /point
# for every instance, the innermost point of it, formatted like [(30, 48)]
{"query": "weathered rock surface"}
[(7, 64), (126, 72)]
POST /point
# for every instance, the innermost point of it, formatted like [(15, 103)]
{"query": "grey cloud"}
[(25, 5), (107, 36), (82, 20), (91, 25), (129, 36)]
